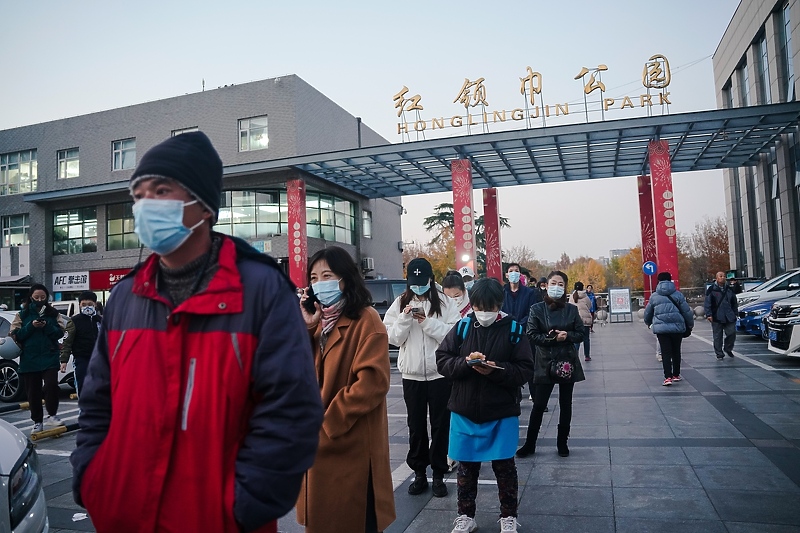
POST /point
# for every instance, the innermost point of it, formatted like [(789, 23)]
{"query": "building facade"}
[(66, 214), (755, 64)]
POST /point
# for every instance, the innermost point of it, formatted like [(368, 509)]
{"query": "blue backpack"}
[(464, 324)]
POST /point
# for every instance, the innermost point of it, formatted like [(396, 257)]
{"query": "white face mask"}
[(555, 291), (486, 318)]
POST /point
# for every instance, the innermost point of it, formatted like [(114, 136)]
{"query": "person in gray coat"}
[(670, 315), (721, 308)]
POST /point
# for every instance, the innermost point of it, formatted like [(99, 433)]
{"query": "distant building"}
[(65, 210), (603, 261), (621, 252)]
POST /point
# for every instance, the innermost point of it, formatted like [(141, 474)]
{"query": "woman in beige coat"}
[(580, 299), (349, 487)]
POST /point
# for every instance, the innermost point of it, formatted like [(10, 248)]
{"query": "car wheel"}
[(11, 389)]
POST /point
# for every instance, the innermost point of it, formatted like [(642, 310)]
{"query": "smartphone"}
[(551, 335), (483, 363), (418, 311), (308, 304)]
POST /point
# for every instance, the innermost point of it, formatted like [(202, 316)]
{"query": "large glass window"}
[(727, 96), (119, 224), (262, 214), (15, 230), (75, 231), (124, 154), (786, 52), (736, 211), (68, 163), (776, 217), (366, 224), (253, 134), (744, 85), (18, 172), (763, 71), (755, 223)]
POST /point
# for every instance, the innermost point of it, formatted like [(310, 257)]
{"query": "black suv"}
[(385, 292)]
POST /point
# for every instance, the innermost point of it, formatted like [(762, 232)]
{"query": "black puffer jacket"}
[(497, 395), (541, 320)]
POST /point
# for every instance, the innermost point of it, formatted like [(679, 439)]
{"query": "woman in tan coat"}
[(584, 304), (349, 487)]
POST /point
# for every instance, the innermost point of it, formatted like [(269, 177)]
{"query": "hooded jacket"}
[(664, 316), (584, 305), (494, 396), (202, 416), (416, 359)]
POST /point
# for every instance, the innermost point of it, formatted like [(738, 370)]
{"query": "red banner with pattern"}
[(298, 238), (463, 214), (648, 231), (491, 229), (664, 209)]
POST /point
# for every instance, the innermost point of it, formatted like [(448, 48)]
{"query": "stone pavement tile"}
[(54, 490), (564, 501), (663, 504), (722, 456), (766, 403), (654, 476), (61, 518), (577, 455), (756, 507), (763, 478), (571, 475), (706, 431), (564, 524), (749, 527), (632, 431), (642, 525), (578, 431), (789, 431), (661, 456)]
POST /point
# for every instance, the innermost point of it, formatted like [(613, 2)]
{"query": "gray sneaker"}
[(37, 427), (53, 421)]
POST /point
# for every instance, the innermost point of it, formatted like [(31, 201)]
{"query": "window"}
[(736, 209), (15, 230), (366, 224), (119, 224), (184, 130), (763, 71), (776, 217), (253, 134), (124, 154), (786, 53), (75, 231), (755, 224), (18, 171), (727, 96), (744, 85), (68, 163)]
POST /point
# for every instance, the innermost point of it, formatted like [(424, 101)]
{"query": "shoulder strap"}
[(516, 332), (463, 329), (669, 296)]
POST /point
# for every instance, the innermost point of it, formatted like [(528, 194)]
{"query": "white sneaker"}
[(658, 356), (53, 421), (508, 524), (37, 427), (466, 524)]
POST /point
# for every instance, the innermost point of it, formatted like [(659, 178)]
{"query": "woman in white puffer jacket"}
[(582, 301), (417, 322)]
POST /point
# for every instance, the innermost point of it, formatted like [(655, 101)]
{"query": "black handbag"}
[(687, 331), (562, 366)]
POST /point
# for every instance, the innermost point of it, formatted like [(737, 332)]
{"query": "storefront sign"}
[(71, 281), (655, 75), (265, 247), (104, 280)]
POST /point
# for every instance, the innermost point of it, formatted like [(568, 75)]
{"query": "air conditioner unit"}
[(367, 264)]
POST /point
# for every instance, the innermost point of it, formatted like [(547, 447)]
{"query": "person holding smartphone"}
[(37, 329), (417, 321)]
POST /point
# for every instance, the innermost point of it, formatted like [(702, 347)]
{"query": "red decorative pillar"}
[(664, 209), (491, 229), (298, 238), (463, 214), (648, 231)]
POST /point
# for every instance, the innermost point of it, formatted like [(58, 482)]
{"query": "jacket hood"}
[(665, 288)]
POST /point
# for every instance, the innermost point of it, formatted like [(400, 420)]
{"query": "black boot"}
[(561, 440), (529, 448), (419, 485)]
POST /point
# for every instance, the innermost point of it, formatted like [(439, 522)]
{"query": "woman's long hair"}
[(561, 302), (355, 291), (578, 287), (49, 310)]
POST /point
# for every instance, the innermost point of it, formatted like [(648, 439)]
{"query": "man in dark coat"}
[(81, 336), (721, 308)]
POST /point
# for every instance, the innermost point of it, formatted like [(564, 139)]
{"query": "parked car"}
[(750, 316), (782, 327), (11, 388), (67, 307), (779, 287), (385, 292), (23, 508)]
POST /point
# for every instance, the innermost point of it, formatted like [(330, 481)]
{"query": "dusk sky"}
[(63, 59)]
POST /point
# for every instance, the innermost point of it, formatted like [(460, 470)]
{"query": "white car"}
[(11, 389), (23, 508), (782, 327), (781, 286)]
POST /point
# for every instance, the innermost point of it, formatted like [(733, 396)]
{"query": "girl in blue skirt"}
[(488, 359)]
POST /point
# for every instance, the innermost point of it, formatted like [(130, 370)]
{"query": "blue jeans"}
[(586, 344)]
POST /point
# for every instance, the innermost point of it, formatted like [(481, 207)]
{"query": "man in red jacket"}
[(200, 410)]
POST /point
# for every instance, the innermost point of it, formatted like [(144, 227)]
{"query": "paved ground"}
[(718, 452)]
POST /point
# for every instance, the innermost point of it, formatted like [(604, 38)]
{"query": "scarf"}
[(330, 315)]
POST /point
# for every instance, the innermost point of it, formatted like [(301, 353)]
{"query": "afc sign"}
[(71, 281)]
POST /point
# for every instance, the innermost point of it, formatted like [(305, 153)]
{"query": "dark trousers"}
[(671, 353), (423, 397), (81, 365), (505, 470), (729, 329), (33, 389), (586, 344), (543, 392)]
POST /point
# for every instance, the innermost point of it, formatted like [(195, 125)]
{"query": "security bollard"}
[(53, 432)]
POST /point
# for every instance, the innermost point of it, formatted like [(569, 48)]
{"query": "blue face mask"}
[(327, 292), (419, 290), (468, 284), (159, 224), (513, 277)]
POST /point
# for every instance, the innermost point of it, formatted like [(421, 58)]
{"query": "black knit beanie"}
[(191, 160)]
